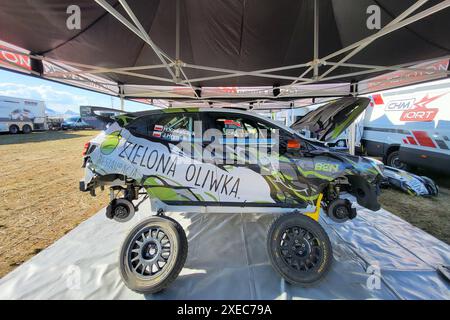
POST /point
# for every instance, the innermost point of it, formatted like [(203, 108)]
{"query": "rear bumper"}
[(437, 161)]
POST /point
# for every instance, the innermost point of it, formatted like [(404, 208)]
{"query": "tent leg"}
[(316, 41), (351, 139)]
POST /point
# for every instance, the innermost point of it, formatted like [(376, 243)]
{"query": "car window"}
[(268, 132), (72, 119), (234, 126), (141, 125), (171, 127), (174, 127)]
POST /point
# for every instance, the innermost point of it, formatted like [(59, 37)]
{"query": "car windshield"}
[(72, 119)]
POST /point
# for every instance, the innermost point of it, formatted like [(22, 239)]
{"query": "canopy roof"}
[(234, 50)]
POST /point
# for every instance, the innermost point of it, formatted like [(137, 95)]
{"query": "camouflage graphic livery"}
[(141, 149)]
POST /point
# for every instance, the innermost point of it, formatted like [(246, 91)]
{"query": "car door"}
[(178, 138), (285, 162), (238, 159)]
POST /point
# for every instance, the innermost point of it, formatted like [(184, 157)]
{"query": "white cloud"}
[(57, 100)]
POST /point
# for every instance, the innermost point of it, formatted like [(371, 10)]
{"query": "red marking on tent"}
[(423, 139), (377, 99), (158, 127), (157, 134), (405, 141), (15, 59), (411, 140)]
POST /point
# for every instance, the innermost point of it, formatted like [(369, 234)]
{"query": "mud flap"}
[(365, 193)]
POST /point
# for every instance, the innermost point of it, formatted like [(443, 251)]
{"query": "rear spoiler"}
[(100, 117)]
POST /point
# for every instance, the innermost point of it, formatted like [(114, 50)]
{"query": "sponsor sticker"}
[(419, 114), (399, 105)]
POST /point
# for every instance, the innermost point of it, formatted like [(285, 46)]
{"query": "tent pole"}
[(121, 96), (177, 42), (301, 77), (177, 34), (316, 41), (393, 68), (237, 73), (139, 31)]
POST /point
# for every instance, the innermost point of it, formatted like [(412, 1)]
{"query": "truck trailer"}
[(409, 127), (21, 115)]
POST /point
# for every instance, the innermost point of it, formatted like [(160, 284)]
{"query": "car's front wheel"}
[(299, 249), (153, 255)]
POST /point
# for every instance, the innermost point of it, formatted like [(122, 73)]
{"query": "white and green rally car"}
[(222, 161)]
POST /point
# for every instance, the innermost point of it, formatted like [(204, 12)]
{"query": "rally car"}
[(219, 161)]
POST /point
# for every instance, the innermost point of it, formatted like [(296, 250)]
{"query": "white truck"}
[(21, 115), (409, 126)]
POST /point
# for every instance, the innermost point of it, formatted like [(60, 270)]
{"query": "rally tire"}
[(321, 254), (147, 284)]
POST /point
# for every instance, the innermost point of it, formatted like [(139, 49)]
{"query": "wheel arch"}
[(391, 148)]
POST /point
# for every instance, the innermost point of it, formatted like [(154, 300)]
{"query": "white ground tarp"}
[(227, 260)]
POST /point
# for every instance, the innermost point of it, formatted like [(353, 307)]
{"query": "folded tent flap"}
[(330, 120)]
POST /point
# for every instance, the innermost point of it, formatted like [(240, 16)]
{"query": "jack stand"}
[(315, 215)]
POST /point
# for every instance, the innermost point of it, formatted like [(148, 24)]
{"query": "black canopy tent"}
[(255, 52)]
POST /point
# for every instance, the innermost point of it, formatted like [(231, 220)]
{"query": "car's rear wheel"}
[(153, 255), (299, 249)]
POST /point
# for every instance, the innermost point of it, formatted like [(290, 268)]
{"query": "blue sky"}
[(57, 96)]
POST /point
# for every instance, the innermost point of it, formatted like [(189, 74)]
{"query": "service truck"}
[(409, 127), (21, 115)]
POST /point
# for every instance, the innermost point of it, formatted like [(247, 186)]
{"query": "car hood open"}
[(330, 120)]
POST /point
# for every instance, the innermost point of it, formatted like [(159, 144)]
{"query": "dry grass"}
[(39, 197), (429, 214)]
